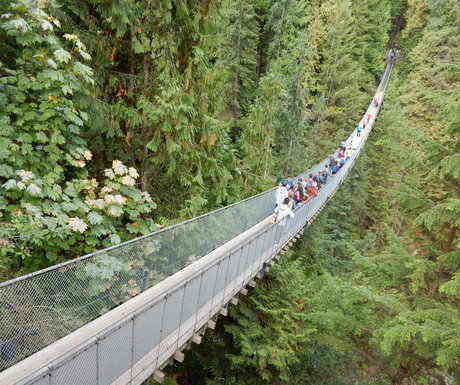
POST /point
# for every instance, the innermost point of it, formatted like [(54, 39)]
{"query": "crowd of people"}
[(292, 193)]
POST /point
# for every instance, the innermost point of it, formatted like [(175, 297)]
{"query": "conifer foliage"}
[(371, 295)]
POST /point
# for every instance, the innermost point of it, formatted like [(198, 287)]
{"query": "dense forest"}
[(119, 117)]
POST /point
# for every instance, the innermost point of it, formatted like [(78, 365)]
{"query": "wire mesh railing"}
[(38, 309), (41, 308)]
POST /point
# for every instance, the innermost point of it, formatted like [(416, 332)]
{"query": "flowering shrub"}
[(50, 207), (80, 217)]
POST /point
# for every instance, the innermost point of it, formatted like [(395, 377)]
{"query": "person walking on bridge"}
[(284, 211), (281, 193), (391, 55), (348, 153), (369, 116)]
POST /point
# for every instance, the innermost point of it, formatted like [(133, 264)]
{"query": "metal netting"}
[(40, 308)]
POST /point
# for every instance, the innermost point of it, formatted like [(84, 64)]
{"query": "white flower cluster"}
[(109, 173), (79, 45), (70, 37), (33, 189), (128, 180), (119, 168), (115, 199), (89, 184), (62, 55), (98, 203), (146, 196), (77, 224), (26, 182), (88, 155), (115, 211), (25, 175), (129, 175), (51, 63), (106, 190), (46, 25), (133, 173), (56, 22), (18, 24)]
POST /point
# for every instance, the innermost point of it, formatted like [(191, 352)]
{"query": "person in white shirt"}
[(284, 211), (281, 194), (303, 183), (355, 142), (348, 153)]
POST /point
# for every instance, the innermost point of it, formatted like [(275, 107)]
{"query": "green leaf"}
[(94, 218), (62, 56)]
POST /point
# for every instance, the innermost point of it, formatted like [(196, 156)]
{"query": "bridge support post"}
[(252, 283), (244, 291), (234, 301), (224, 312), (196, 339), (158, 376), (179, 356), (187, 346)]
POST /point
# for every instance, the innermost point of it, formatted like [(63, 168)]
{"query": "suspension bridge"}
[(119, 315)]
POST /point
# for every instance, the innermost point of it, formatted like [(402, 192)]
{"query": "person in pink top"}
[(312, 186)]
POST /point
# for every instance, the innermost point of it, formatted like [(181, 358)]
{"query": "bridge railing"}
[(40, 308), (115, 316)]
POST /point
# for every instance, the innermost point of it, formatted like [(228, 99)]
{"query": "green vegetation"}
[(371, 294), (208, 102), (118, 117)]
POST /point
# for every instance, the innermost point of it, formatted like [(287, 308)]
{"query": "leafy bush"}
[(50, 206)]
